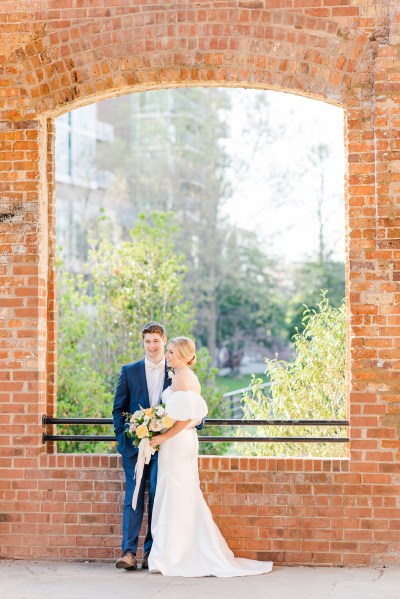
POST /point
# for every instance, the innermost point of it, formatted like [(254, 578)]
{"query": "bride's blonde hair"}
[(186, 349)]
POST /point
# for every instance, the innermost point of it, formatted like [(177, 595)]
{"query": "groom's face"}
[(154, 345)]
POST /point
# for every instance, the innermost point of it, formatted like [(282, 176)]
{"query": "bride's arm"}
[(174, 430), (182, 381)]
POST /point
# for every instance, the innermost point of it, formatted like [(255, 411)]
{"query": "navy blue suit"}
[(132, 394)]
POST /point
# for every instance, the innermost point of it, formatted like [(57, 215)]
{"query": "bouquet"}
[(144, 424), (147, 423)]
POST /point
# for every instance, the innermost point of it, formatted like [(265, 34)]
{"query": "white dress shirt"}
[(155, 377)]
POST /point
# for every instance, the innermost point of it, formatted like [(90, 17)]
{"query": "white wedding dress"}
[(186, 540)]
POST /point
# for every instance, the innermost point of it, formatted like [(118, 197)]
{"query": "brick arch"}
[(93, 59), (60, 54)]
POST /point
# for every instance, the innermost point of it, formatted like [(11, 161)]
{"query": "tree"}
[(309, 279), (321, 272), (170, 157), (250, 301), (81, 389), (132, 283), (100, 318), (310, 387), (172, 152)]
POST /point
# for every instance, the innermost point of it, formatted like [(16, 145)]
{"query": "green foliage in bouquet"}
[(147, 422)]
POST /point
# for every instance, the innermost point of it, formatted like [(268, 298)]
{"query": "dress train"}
[(186, 540)]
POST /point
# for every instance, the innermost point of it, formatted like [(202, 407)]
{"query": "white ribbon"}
[(144, 455)]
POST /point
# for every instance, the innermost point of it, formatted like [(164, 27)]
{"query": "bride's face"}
[(173, 358)]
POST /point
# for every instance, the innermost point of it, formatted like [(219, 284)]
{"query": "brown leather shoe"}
[(127, 561), (145, 562)]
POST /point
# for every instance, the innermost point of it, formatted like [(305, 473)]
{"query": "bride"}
[(186, 540)]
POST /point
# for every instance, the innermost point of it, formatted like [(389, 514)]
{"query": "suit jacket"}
[(131, 394)]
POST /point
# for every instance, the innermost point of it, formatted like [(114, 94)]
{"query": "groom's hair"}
[(154, 327)]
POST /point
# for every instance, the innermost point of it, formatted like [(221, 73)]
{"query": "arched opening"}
[(307, 511), (249, 185)]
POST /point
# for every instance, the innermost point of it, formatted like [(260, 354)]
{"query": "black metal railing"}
[(210, 422), (233, 400)]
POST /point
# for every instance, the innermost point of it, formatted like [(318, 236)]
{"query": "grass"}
[(230, 383)]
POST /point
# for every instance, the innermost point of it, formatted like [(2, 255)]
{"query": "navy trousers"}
[(132, 519)]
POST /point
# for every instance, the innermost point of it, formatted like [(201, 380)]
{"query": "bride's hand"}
[(157, 440)]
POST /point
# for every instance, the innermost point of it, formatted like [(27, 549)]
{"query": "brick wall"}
[(291, 511), (56, 55)]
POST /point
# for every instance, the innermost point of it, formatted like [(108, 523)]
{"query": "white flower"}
[(171, 373), (156, 425), (136, 415), (159, 410)]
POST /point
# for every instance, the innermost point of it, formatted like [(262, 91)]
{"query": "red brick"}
[(295, 41)]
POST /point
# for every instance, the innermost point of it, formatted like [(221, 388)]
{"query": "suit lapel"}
[(167, 380), (143, 384)]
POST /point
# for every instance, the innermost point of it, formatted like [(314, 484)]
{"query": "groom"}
[(140, 385)]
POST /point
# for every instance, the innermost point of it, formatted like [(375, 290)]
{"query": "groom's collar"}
[(149, 364)]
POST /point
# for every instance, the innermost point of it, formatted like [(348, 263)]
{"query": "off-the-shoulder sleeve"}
[(186, 405)]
